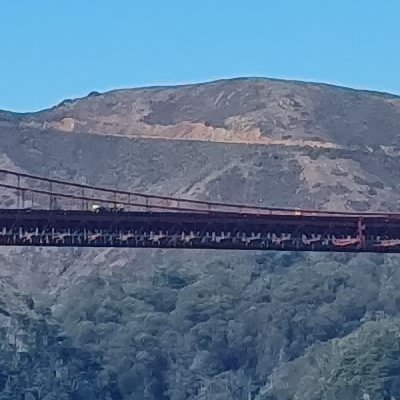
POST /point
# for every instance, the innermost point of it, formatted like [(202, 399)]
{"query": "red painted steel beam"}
[(216, 230)]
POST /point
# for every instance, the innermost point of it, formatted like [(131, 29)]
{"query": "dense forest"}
[(265, 326)]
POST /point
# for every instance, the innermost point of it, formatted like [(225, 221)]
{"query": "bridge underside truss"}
[(197, 231)]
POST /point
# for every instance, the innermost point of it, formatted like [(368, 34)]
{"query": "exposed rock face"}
[(241, 109), (321, 146), (208, 325)]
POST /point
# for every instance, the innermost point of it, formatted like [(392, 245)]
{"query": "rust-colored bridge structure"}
[(41, 211)]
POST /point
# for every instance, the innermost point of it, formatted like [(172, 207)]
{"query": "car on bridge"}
[(96, 208)]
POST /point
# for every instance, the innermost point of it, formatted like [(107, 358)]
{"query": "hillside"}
[(199, 325)]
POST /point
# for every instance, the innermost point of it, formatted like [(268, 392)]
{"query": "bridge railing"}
[(22, 190)]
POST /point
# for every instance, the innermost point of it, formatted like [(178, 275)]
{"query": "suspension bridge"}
[(43, 211)]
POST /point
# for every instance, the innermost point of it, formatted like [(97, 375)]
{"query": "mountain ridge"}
[(249, 110), (208, 82)]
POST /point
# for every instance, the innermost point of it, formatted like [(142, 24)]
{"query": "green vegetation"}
[(266, 326), (278, 326)]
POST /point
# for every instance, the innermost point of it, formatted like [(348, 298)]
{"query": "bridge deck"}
[(201, 230)]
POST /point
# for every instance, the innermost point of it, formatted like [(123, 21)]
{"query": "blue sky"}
[(53, 49)]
